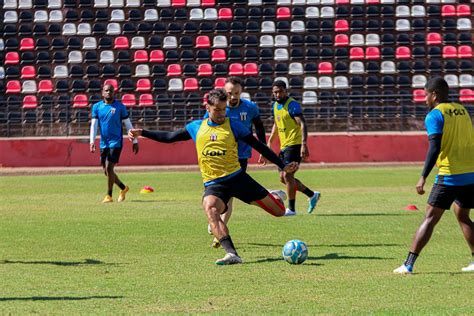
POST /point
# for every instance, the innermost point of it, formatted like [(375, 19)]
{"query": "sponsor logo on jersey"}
[(455, 112), (214, 153)]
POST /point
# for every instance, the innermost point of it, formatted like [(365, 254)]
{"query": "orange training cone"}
[(411, 207), (147, 189)]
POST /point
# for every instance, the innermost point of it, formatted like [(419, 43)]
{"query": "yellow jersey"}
[(289, 131), (456, 157), (217, 150)]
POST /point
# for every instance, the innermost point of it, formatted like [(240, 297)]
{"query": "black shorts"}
[(243, 163), (110, 155), (290, 154), (241, 186), (443, 196)]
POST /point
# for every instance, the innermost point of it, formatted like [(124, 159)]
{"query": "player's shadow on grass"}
[(442, 272), (57, 298), (336, 256), (364, 214), (273, 259), (359, 245), (143, 201), (59, 263), (331, 245), (329, 256)]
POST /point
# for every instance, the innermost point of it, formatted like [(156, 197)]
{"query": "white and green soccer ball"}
[(295, 251)]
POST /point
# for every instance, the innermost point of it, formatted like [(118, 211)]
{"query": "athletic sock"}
[(227, 244), (109, 192), (291, 204), (411, 258), (309, 193), (121, 186)]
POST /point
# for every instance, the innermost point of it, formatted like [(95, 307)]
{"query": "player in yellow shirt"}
[(290, 127), (248, 113), (216, 140), (451, 148)]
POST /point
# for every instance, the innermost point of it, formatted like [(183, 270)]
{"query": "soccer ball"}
[(295, 251)]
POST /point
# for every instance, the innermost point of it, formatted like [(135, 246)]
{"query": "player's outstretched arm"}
[(161, 136), (268, 153)]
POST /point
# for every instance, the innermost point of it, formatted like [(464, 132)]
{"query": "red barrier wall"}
[(328, 148)]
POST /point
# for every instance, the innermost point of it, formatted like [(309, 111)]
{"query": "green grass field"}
[(63, 252)]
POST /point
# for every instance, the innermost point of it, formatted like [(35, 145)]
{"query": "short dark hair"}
[(108, 84), (279, 84), (216, 95), (233, 80), (439, 86)]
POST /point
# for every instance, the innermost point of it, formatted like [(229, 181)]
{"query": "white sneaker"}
[(469, 268), (289, 212), (280, 193), (229, 258), (403, 269), (209, 231)]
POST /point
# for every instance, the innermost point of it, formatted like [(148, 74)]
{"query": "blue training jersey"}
[(246, 112), (110, 118)]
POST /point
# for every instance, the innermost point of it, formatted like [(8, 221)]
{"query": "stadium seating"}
[(129, 100), (328, 51), (143, 85), (80, 101), (145, 100), (466, 95)]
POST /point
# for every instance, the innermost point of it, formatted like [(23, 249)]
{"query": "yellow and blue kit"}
[(216, 145), (456, 158), (289, 131)]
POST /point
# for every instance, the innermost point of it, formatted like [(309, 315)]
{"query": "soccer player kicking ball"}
[(248, 114), (290, 127), (109, 114), (451, 147), (216, 145)]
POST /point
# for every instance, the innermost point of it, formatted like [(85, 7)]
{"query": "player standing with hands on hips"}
[(109, 114)]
